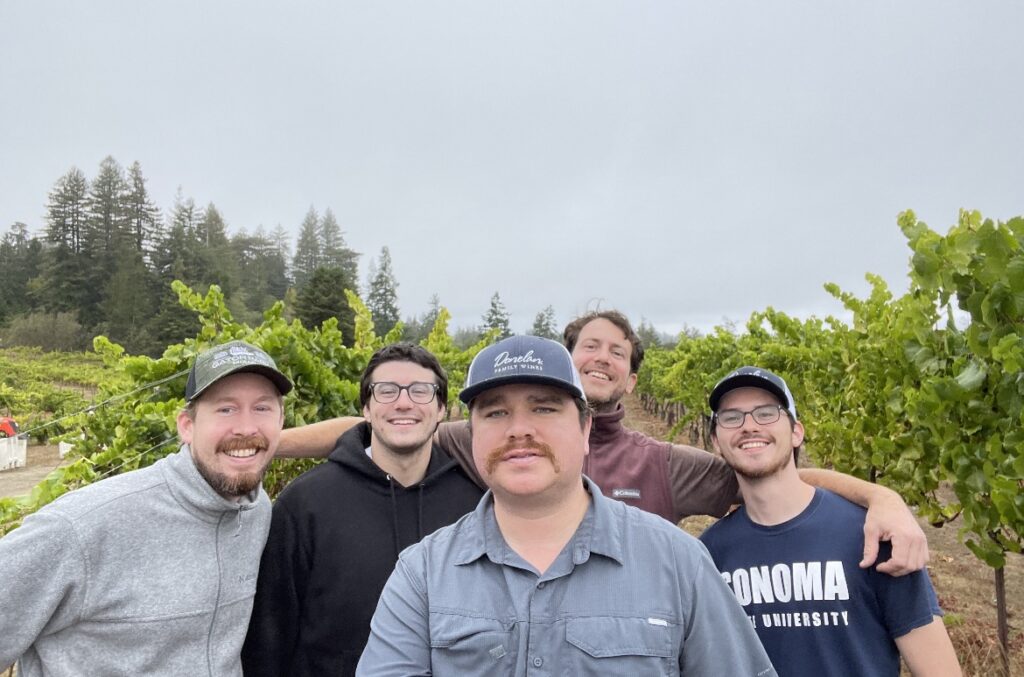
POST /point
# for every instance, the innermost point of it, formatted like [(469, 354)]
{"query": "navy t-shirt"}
[(815, 610)]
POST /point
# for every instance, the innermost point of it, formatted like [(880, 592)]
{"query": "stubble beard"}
[(768, 471), (609, 402), (404, 451)]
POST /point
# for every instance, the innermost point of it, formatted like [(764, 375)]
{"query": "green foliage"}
[(38, 387), (324, 297), (143, 395), (126, 308), (648, 334), (544, 324), (904, 395), (972, 402), (497, 318), (20, 261), (47, 331), (454, 359), (62, 282), (108, 260), (307, 250), (416, 329), (334, 252), (382, 296)]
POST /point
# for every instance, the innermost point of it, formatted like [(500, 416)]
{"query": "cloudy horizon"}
[(682, 162)]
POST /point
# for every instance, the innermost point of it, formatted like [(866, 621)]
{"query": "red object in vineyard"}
[(8, 428)]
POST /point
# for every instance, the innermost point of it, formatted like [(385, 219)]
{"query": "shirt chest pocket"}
[(469, 645), (610, 645)]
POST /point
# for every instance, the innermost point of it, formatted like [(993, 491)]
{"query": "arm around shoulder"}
[(315, 440), (457, 441), (701, 482), (888, 519)]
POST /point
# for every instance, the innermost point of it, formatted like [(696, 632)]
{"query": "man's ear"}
[(185, 426), (798, 434), (586, 434), (631, 383)]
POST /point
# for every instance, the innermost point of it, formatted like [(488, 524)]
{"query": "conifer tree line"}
[(104, 260)]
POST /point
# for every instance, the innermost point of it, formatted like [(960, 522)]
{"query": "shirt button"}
[(537, 662), (540, 586)]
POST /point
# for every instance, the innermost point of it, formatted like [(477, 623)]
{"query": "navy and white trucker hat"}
[(522, 359), (754, 377)]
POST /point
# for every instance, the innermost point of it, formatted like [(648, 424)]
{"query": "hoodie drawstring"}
[(394, 516), (419, 515)]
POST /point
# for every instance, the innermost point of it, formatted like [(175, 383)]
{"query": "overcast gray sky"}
[(681, 161)]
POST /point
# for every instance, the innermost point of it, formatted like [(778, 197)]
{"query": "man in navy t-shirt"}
[(791, 553)]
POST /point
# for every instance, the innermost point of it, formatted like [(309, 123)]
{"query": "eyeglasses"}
[(387, 392), (763, 415)]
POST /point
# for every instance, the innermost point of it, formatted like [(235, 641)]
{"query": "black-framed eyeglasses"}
[(763, 415), (387, 392)]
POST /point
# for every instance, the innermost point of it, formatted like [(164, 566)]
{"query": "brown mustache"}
[(257, 441), (496, 455)]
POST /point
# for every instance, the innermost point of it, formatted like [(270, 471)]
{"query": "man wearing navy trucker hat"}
[(547, 574), (791, 553), (670, 480), (153, 572)]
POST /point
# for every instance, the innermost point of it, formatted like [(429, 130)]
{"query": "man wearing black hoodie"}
[(337, 530)]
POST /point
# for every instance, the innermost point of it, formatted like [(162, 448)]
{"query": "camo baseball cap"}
[(234, 357)]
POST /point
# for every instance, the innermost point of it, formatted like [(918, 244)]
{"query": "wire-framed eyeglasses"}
[(387, 392), (764, 415)]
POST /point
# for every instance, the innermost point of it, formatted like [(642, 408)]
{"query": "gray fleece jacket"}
[(146, 573)]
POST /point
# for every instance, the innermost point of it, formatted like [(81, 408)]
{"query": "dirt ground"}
[(40, 459), (964, 584)]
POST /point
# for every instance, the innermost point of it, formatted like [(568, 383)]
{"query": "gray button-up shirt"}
[(630, 594)]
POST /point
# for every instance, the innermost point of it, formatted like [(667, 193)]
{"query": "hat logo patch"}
[(503, 362), (238, 355)]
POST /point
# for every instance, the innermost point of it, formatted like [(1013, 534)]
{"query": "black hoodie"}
[(334, 539)]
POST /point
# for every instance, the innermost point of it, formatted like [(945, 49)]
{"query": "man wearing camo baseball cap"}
[(232, 453), (232, 358), (154, 571)]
